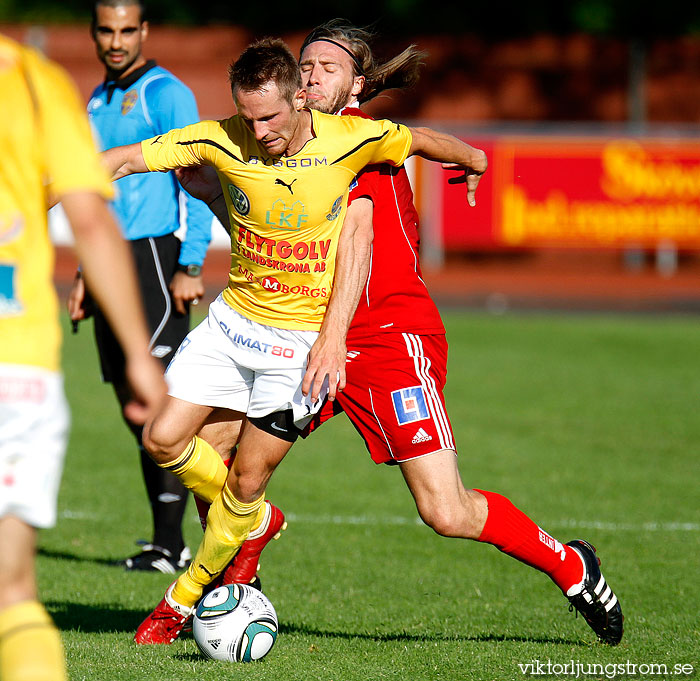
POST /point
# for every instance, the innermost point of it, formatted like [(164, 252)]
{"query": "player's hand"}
[(186, 289), (202, 182), (326, 361), (77, 308), (148, 388), (470, 176)]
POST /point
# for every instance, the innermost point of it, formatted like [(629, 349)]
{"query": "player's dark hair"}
[(402, 71), (265, 60), (118, 3)]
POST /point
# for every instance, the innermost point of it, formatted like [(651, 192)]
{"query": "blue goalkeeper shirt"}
[(150, 101)]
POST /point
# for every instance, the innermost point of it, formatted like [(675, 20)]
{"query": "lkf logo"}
[(410, 405), (129, 101), (239, 199), (291, 217)]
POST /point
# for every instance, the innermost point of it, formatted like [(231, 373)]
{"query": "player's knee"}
[(450, 520), (248, 488), (248, 484), (159, 443), (441, 520)]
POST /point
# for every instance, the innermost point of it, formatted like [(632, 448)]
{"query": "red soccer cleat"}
[(244, 566), (165, 623)]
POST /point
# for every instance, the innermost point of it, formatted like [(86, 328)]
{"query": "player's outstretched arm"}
[(453, 154), (328, 354), (109, 271), (124, 160)]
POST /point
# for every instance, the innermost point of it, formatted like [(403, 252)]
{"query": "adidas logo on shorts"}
[(421, 436)]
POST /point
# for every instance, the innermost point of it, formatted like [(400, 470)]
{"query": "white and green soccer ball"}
[(235, 623)]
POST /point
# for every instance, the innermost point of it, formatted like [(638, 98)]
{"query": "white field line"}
[(367, 520), (324, 519)]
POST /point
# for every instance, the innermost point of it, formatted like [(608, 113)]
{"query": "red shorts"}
[(394, 397)]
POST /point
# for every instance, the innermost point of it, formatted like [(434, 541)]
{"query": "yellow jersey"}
[(286, 212), (46, 148)]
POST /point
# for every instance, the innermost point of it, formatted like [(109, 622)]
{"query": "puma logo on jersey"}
[(157, 140), (284, 184), (421, 436)]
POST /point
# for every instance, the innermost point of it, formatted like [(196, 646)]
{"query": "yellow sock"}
[(262, 513), (30, 645), (228, 524), (201, 469)]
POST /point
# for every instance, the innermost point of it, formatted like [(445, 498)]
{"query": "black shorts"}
[(155, 259)]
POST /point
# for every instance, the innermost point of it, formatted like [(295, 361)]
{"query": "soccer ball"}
[(235, 623)]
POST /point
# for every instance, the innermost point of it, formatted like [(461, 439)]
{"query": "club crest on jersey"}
[(239, 200), (335, 209), (129, 101), (410, 405)]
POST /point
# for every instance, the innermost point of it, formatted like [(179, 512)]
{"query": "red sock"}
[(203, 506), (512, 532)]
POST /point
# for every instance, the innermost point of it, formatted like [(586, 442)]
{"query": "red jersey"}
[(395, 298)]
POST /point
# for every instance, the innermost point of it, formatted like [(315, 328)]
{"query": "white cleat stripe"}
[(611, 603), (600, 585), (605, 595)]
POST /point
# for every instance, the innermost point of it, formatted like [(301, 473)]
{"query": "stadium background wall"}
[(551, 111)]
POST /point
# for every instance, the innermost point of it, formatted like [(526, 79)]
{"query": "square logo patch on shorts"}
[(410, 405)]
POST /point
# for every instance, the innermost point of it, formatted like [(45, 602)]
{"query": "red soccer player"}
[(397, 351)]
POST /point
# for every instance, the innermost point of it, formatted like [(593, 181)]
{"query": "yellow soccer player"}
[(46, 148), (285, 172)]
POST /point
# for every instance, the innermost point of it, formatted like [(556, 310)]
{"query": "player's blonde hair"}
[(402, 71)]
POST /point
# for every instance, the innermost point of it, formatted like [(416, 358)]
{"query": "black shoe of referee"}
[(596, 601), (157, 559)]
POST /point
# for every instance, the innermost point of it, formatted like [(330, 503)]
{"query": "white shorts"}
[(34, 423), (232, 362)]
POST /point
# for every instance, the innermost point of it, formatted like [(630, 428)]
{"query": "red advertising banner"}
[(579, 192)]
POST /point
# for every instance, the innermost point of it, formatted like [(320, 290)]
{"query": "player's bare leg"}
[(453, 511), (222, 430), (441, 499), (166, 436), (30, 645)]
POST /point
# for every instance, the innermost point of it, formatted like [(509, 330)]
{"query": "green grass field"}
[(589, 424)]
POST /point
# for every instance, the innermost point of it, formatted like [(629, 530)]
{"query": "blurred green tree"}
[(623, 18)]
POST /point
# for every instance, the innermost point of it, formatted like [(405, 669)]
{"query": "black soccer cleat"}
[(596, 601), (157, 559)]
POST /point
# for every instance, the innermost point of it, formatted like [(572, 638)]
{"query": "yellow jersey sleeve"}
[(192, 145), (71, 160)]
